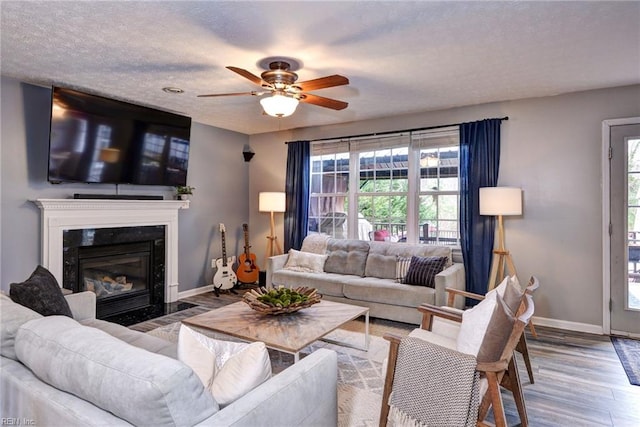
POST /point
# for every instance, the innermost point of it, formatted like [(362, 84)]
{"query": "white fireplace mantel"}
[(72, 214)]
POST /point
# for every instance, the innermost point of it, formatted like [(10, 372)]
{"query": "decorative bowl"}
[(281, 300)]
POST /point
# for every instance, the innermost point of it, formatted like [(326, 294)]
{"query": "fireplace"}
[(123, 266), (71, 224)]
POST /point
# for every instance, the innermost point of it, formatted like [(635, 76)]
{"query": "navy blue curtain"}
[(297, 194), (479, 164)]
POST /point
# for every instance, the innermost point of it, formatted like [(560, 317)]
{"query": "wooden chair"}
[(514, 385), (497, 373), (522, 347)]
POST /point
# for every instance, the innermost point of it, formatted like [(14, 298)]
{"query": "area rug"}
[(360, 380), (629, 354)]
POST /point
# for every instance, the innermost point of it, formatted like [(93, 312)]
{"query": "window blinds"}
[(441, 137)]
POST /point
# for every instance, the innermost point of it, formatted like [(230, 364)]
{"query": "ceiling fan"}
[(280, 82)]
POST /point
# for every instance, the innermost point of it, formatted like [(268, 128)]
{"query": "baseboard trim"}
[(569, 326), (625, 334), (195, 291)]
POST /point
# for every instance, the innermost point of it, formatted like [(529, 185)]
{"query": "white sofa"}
[(303, 394), (364, 273)]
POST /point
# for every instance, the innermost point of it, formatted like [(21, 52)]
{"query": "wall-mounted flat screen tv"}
[(100, 140)]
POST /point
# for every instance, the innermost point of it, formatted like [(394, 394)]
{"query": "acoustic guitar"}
[(224, 278), (248, 271)]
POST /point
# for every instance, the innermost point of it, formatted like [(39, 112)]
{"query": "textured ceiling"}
[(401, 57)]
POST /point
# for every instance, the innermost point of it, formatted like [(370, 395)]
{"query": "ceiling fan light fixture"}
[(279, 105)]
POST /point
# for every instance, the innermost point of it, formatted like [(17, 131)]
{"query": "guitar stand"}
[(243, 285), (231, 290)]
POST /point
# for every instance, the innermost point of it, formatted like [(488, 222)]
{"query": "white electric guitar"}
[(224, 278)]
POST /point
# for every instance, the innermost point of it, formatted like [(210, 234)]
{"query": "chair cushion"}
[(12, 316), (346, 256), (326, 283), (227, 369), (129, 382), (449, 328), (485, 329), (305, 262), (387, 291), (41, 293), (422, 270), (433, 338)]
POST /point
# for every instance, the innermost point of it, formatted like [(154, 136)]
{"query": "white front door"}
[(624, 209)]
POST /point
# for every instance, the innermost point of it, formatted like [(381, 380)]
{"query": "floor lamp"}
[(500, 201), (272, 202)]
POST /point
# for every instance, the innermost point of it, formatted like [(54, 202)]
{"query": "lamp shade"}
[(500, 201), (279, 105), (271, 202)]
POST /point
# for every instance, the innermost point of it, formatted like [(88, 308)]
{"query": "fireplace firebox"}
[(119, 275), (124, 266)]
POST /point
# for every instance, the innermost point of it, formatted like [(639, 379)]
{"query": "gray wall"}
[(551, 147), (216, 169)]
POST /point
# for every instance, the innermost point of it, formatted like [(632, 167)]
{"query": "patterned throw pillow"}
[(422, 270), (402, 266), (41, 293)]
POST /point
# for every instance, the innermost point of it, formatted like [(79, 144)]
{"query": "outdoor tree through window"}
[(401, 187)]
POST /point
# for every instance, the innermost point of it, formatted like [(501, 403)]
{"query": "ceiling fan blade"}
[(247, 75), (321, 101), (253, 93), (323, 82)]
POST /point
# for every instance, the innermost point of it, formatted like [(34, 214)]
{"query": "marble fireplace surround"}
[(70, 214)]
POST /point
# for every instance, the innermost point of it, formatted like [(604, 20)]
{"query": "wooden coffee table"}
[(289, 333)]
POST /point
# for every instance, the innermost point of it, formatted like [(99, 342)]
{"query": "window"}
[(382, 195), (438, 192), (401, 187), (328, 203)]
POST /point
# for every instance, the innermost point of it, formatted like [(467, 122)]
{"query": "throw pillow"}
[(485, 329), (422, 270), (510, 291), (402, 266), (41, 293), (315, 243), (305, 262), (227, 369)]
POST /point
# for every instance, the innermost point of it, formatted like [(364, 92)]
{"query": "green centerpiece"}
[(281, 300)]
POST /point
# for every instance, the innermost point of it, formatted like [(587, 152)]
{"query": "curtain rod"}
[(392, 132)]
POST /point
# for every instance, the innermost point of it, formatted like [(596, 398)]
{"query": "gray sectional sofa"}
[(364, 273), (147, 385)]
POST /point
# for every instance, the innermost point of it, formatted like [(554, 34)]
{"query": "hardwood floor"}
[(579, 380)]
